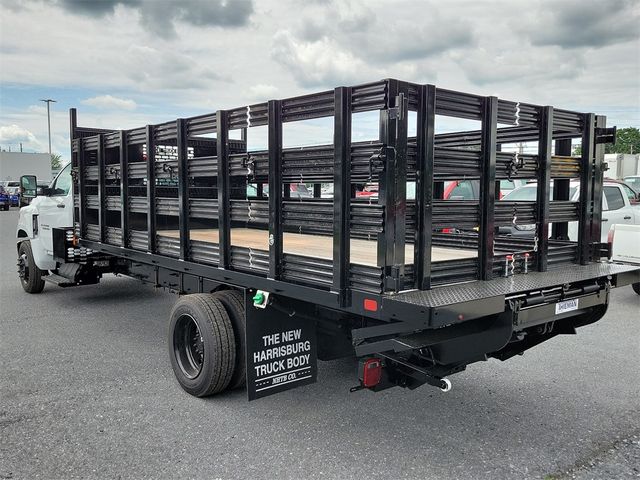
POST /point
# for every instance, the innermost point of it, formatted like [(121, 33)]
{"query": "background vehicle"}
[(271, 283), (5, 200), (470, 189), (14, 196), (453, 190), (620, 204), (369, 190), (625, 246)]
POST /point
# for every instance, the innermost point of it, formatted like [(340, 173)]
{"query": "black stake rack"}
[(133, 186)]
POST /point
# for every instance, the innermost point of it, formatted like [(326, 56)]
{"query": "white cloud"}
[(319, 63), (108, 102), (529, 65), (505, 48), (11, 135), (262, 92)]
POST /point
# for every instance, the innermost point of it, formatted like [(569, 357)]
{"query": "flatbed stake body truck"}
[(279, 262)]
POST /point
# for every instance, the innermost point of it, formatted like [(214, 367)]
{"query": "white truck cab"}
[(53, 208)]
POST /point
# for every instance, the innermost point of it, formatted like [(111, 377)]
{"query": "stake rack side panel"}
[(184, 189)]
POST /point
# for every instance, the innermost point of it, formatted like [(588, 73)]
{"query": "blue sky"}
[(127, 63)]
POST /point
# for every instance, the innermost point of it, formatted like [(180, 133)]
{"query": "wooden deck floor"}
[(363, 252)]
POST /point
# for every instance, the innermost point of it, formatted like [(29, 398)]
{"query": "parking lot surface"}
[(87, 391)]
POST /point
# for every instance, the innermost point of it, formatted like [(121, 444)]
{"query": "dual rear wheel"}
[(206, 342)]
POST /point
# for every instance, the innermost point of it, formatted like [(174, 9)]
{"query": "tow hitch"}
[(390, 371)]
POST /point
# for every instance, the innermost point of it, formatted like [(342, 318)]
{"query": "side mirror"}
[(28, 186)]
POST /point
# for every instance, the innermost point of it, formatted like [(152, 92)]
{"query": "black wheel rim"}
[(188, 346), (23, 268)]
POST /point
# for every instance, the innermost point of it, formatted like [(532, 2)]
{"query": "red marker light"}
[(370, 305), (371, 372)]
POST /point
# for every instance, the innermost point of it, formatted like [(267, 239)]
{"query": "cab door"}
[(615, 210), (56, 209)]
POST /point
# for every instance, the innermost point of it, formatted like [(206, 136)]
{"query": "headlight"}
[(526, 228)]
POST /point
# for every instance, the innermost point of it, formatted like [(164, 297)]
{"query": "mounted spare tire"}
[(202, 345), (233, 302)]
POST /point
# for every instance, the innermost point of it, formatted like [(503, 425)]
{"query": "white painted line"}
[(282, 383), (279, 374)]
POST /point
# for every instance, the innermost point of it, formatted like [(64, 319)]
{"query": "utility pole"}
[(48, 101)]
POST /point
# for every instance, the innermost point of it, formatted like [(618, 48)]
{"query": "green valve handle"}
[(258, 298)]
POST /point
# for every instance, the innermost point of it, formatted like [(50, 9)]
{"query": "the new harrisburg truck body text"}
[(415, 288)]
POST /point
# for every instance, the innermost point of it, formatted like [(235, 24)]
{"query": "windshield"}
[(62, 184), (522, 194), (633, 182)]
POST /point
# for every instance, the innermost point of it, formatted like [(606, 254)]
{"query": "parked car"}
[(370, 191), (14, 195), (470, 189), (5, 201), (453, 190), (620, 205)]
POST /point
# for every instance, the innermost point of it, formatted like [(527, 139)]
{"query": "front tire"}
[(30, 275), (636, 287), (201, 345)]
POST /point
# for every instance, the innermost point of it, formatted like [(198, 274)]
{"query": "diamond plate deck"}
[(478, 290)]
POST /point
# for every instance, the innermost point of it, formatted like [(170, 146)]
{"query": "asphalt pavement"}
[(87, 391)]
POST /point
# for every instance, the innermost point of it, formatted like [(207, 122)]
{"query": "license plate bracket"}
[(567, 306)]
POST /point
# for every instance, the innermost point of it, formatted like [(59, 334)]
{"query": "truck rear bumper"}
[(457, 303), (439, 316)]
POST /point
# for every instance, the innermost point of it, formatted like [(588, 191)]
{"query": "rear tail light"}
[(610, 235), (371, 372)]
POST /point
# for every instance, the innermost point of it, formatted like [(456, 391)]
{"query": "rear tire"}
[(233, 302), (201, 345), (6, 208), (636, 287), (30, 274)]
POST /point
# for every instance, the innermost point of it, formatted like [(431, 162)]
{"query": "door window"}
[(614, 198), (631, 195), (62, 184)]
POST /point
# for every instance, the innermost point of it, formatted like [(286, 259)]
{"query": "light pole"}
[(48, 101)]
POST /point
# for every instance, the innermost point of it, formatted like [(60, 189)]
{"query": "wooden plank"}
[(363, 252)]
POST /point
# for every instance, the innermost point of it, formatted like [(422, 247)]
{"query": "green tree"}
[(56, 161), (627, 141)]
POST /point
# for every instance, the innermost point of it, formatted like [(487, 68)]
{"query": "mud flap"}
[(281, 347)]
